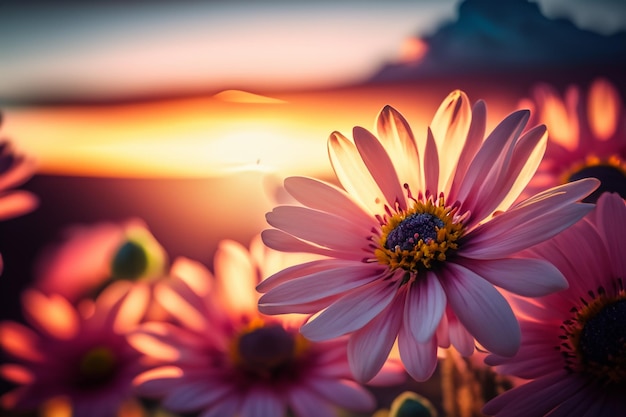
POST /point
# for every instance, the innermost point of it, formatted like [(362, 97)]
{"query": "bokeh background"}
[(189, 114)]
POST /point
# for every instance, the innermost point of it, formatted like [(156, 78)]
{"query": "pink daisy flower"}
[(587, 136), (226, 359), (414, 243), (574, 342), (91, 256), (80, 355)]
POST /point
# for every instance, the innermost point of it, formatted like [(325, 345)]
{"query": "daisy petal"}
[(581, 403), (397, 137), (318, 227), (482, 310), (528, 154), (284, 242), (234, 276), (526, 277), (53, 314), (20, 341), (16, 203), (380, 166), (369, 346), (306, 404), (425, 304), (449, 128), (475, 137), (535, 398), (611, 206), (533, 221), (351, 312), (183, 304), (344, 393), (489, 159), (352, 172), (510, 173), (193, 396), (459, 337), (262, 402), (326, 197), (157, 382), (431, 165), (419, 359), (226, 407), (604, 107), (301, 270), (392, 373), (319, 285)]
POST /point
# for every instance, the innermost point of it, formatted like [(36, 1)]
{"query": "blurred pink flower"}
[(224, 358), (574, 342), (78, 354), (14, 171), (414, 243), (90, 256), (587, 136)]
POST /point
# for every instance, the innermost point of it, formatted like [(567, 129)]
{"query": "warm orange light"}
[(231, 132), (413, 50), (188, 138), (193, 273), (603, 108), (237, 278), (19, 341), (16, 373), (54, 314), (57, 407), (562, 121), (131, 408), (163, 372), (180, 308), (238, 96), (153, 347), (133, 308)]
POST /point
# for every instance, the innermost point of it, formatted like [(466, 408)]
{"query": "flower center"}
[(419, 237), (597, 337), (416, 227), (610, 172), (96, 367), (603, 339), (130, 261), (267, 351)]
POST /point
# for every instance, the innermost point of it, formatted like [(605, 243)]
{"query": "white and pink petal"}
[(424, 307), (369, 347), (419, 359), (482, 310), (351, 312), (522, 276)]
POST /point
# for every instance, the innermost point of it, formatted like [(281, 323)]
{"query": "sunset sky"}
[(127, 89), (73, 51)]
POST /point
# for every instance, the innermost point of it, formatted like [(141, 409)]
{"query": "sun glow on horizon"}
[(228, 133), (231, 132)]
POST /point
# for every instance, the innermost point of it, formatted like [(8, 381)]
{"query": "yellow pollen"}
[(613, 161), (428, 233)]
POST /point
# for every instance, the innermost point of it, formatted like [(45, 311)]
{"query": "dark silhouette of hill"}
[(492, 38)]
